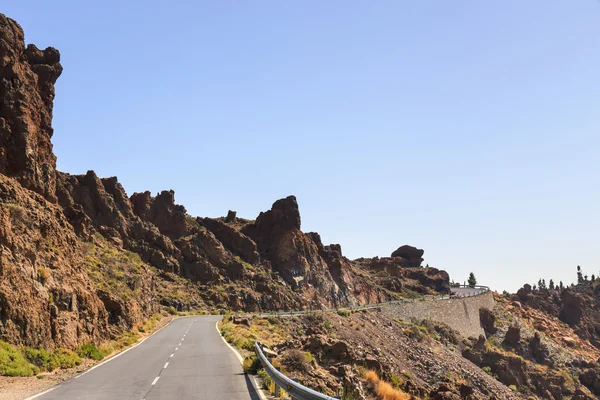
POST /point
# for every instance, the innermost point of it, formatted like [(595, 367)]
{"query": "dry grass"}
[(371, 377), (384, 390)]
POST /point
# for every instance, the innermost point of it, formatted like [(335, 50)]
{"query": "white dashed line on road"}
[(166, 365), (155, 380)]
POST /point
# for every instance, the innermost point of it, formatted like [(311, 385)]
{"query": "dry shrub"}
[(385, 391), (371, 377), (296, 360)]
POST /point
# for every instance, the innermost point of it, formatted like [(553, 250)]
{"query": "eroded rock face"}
[(27, 77), (292, 253), (234, 240), (170, 218), (45, 294)]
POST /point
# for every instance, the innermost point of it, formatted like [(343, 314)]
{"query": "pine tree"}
[(585, 278), (593, 278), (472, 279), (579, 275), (561, 286), (551, 284)]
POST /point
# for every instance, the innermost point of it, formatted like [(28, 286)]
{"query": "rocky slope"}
[(81, 260)]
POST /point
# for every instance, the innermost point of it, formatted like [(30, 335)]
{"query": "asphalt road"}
[(466, 291), (185, 360)]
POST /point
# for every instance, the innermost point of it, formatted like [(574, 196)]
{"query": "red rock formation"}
[(292, 253), (27, 77), (45, 295)]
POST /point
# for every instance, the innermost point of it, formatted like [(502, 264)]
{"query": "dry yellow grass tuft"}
[(384, 390), (371, 377)]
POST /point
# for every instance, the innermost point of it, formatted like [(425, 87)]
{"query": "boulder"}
[(412, 255), (487, 320), (572, 309), (513, 336)]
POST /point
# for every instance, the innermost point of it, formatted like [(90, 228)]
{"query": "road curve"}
[(185, 360)]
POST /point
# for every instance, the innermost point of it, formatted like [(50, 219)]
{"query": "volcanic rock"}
[(27, 78)]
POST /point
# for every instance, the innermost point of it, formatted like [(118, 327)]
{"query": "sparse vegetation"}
[(48, 361), (43, 274), (251, 365), (243, 336), (114, 271), (16, 210), (297, 360), (89, 350)]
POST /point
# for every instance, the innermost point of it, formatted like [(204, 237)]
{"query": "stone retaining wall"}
[(461, 314)]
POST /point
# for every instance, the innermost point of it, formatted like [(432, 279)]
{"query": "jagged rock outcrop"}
[(27, 77), (292, 253), (234, 240), (101, 205), (413, 257), (170, 218)]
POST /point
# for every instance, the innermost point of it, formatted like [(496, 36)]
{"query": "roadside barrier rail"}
[(475, 290), (296, 390)]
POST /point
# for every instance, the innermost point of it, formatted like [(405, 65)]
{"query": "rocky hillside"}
[(82, 261)]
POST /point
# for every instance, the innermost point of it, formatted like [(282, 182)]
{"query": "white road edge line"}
[(35, 396), (257, 388), (155, 380)]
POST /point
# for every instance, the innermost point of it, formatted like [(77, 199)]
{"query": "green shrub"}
[(513, 388), (396, 381), (66, 358), (251, 365), (267, 381), (343, 313), (43, 275), (487, 370), (13, 363), (48, 361), (89, 350), (40, 358), (172, 310)]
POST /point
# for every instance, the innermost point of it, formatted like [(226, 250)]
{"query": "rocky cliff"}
[(27, 77), (81, 261)]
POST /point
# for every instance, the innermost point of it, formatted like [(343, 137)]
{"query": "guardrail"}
[(456, 295), (296, 390)]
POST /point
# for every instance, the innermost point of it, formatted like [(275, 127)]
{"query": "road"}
[(467, 291), (185, 360)]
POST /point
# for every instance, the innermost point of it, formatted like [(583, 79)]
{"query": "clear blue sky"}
[(470, 129)]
